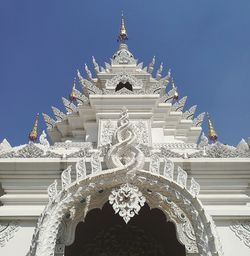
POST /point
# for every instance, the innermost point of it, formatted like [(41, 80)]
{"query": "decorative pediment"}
[(123, 56), (124, 78)]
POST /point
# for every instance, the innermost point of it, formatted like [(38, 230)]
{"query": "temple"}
[(126, 170)]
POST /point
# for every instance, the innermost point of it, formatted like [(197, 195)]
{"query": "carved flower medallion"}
[(127, 201)]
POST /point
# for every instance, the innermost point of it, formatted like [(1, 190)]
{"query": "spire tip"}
[(123, 36)]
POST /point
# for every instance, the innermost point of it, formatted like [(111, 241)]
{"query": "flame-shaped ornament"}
[(124, 153)]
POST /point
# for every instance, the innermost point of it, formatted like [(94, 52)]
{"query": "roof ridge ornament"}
[(212, 135), (176, 94), (151, 65), (33, 134), (123, 36), (73, 96)]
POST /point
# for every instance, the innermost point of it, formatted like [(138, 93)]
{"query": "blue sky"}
[(205, 43)]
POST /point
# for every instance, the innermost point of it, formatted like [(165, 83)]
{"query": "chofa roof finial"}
[(212, 135), (123, 36), (33, 134)]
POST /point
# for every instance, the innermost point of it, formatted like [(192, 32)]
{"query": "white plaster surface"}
[(231, 244), (20, 243)]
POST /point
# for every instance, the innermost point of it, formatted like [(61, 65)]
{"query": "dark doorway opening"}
[(127, 85), (105, 234)]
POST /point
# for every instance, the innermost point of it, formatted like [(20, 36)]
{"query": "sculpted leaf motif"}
[(181, 177), (81, 169), (66, 178), (168, 169), (52, 191), (58, 114)]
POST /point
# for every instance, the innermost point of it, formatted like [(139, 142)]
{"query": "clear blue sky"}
[(205, 43)]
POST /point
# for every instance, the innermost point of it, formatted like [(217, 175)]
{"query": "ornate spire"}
[(176, 95), (73, 96), (123, 36), (33, 134), (212, 135)]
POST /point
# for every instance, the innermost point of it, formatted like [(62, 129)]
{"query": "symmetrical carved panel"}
[(141, 129), (124, 78)]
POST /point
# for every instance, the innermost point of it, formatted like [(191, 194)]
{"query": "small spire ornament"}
[(73, 96), (123, 36), (33, 134), (212, 135), (176, 95)]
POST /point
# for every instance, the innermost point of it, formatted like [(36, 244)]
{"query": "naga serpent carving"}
[(123, 152)]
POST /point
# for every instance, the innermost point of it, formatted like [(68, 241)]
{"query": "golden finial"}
[(73, 96), (212, 135), (33, 134), (176, 95), (123, 36)]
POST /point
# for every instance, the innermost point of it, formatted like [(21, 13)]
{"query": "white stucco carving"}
[(123, 152), (126, 201), (50, 122), (139, 127), (52, 191), (43, 139), (59, 115), (123, 56), (69, 106), (7, 231), (128, 162), (242, 231), (124, 78), (66, 178), (166, 190), (5, 146)]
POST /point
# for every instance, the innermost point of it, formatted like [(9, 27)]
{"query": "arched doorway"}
[(105, 234)]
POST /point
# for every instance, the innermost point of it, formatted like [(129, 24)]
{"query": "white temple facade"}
[(127, 171)]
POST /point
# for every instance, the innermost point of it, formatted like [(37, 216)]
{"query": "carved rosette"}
[(127, 201)]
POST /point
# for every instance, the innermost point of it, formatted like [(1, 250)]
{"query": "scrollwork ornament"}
[(7, 231), (242, 231)]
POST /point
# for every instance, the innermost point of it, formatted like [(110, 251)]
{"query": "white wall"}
[(231, 244), (20, 243)]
